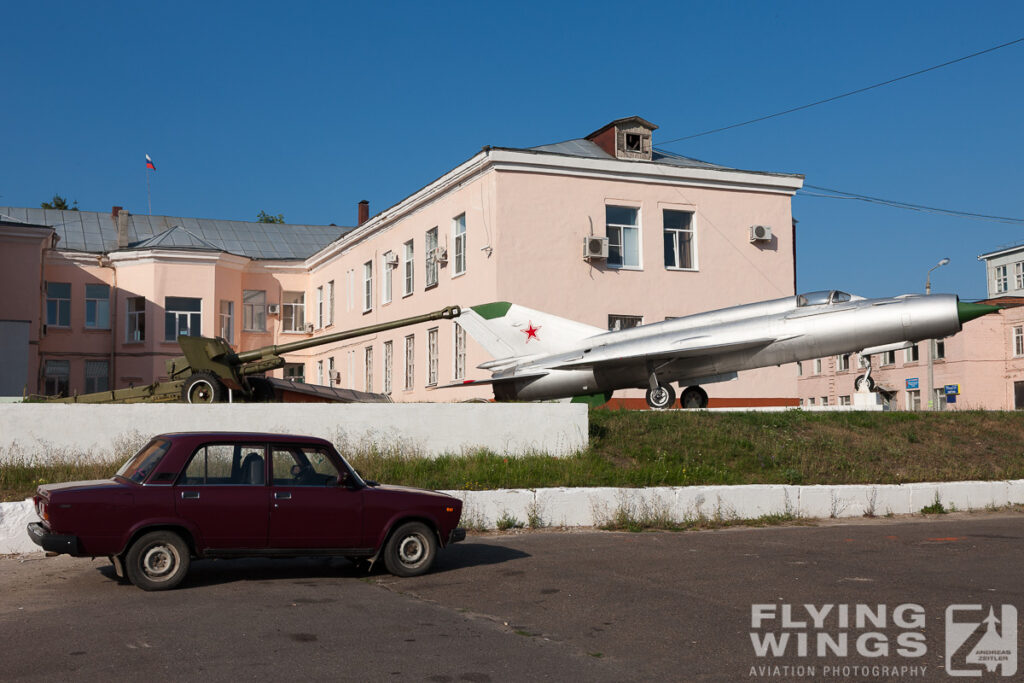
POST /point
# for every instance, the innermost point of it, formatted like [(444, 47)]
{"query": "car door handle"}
[(283, 495), (190, 495)]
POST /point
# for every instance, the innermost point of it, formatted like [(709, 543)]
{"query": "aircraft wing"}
[(691, 347), (492, 380)]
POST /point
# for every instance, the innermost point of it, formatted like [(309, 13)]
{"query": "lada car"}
[(226, 495)]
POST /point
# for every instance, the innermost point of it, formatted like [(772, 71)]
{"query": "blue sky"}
[(305, 109)]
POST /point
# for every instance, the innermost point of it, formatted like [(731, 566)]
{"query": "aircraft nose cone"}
[(971, 311)]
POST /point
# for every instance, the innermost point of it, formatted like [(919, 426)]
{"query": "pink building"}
[(505, 225)]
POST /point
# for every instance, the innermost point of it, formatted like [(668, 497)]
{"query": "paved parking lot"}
[(551, 605)]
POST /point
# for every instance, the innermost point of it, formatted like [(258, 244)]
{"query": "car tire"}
[(411, 550), (157, 561)]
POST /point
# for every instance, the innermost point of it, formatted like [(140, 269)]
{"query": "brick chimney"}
[(364, 212), (121, 220)]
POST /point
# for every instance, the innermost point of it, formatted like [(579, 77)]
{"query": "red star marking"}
[(531, 332)]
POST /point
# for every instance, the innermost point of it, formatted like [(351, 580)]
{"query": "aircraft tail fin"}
[(507, 330)]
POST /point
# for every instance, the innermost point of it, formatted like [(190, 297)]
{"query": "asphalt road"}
[(549, 605)]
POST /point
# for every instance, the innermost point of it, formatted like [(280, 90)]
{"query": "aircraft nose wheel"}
[(661, 397)]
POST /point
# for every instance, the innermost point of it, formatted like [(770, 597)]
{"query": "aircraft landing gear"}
[(661, 397), (694, 397)]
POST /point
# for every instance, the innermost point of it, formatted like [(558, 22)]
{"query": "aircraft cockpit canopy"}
[(825, 296)]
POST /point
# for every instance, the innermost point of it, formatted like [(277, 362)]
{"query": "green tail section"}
[(593, 400), (971, 311), (498, 309)]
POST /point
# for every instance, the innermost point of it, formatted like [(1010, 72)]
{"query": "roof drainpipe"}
[(364, 212)]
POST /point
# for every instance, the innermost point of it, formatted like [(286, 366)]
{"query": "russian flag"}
[(149, 163)]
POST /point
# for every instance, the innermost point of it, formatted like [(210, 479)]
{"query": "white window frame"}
[(193, 319), (913, 399), (1018, 270), (368, 368), (254, 310), (911, 354), (97, 307), (938, 349), (329, 315), (1001, 279), (459, 245), (410, 362), (293, 313), (888, 358), (432, 357), (1018, 341), (430, 258), (60, 315), (351, 357), (389, 363), (57, 377), (385, 278), (134, 320), (817, 366), (320, 372), (408, 268), (677, 235), (845, 400), (843, 362), (368, 286), (97, 376), (617, 233), (227, 320), (459, 343), (330, 371), (320, 307)]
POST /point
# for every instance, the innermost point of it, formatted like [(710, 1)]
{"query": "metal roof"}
[(96, 232), (582, 147)]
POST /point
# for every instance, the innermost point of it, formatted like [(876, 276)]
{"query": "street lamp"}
[(931, 343)]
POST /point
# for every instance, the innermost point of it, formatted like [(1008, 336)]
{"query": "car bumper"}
[(456, 535), (51, 542)]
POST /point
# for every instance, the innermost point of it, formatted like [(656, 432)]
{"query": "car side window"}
[(225, 464), (303, 466)]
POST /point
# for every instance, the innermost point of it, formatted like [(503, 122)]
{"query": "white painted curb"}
[(592, 506)]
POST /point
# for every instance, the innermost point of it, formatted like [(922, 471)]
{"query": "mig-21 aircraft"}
[(540, 356)]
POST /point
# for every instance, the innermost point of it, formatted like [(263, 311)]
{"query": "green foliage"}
[(264, 217), (936, 508), (508, 521), (59, 202)]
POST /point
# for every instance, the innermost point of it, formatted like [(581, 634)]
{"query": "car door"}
[(309, 508), (223, 492)]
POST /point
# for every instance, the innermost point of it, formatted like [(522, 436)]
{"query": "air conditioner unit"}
[(760, 233), (273, 309), (441, 255), (595, 247), (391, 260), (335, 377), (309, 327)]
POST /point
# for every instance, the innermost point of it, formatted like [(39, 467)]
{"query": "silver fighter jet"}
[(542, 356)]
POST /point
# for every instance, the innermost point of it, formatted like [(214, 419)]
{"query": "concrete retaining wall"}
[(593, 506), (427, 429)]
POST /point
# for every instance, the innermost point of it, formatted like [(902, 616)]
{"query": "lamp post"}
[(931, 343)]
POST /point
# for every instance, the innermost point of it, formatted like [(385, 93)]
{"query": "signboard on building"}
[(952, 389), (912, 383)]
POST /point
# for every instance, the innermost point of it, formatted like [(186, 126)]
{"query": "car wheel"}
[(411, 550), (157, 561)]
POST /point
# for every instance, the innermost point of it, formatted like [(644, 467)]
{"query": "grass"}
[(673, 448)]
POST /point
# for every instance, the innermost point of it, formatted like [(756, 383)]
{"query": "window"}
[(389, 356), (459, 242), (624, 322), (679, 242), (799, 369), (385, 277), (430, 246), (319, 307), (58, 304), (319, 372), (55, 377), (623, 237), (368, 368), (295, 372), (226, 464), (843, 362), (914, 399), (135, 320), (432, 356), (293, 312), (1018, 271), (889, 358), (182, 316), (367, 286), (330, 372), (817, 366), (97, 376), (460, 352), (350, 276), (254, 310), (633, 142), (407, 269), (844, 401), (351, 357), (912, 354), (1000, 279), (227, 321), (97, 307), (302, 466), (939, 398), (1018, 341), (410, 361), (329, 315), (824, 400), (938, 349)]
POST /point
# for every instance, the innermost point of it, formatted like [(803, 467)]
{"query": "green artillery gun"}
[(210, 371)]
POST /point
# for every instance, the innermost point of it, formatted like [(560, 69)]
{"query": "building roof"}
[(96, 232)]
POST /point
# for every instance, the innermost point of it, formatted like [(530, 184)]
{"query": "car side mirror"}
[(345, 479)]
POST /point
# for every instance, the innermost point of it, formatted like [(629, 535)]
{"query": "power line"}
[(840, 194), (847, 94)]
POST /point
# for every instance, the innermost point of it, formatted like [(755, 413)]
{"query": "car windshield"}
[(145, 461)]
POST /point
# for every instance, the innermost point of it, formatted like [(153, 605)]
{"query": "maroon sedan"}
[(222, 495)]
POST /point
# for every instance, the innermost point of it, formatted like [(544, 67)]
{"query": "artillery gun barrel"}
[(448, 313)]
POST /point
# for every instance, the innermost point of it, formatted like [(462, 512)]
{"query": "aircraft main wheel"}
[(694, 397), (661, 397), (203, 387), (861, 380)]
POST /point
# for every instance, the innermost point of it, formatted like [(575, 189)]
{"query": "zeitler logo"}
[(978, 641)]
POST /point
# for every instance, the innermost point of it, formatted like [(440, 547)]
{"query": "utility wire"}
[(840, 194), (847, 94)]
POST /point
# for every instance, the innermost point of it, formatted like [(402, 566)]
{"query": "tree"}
[(264, 217), (59, 202)]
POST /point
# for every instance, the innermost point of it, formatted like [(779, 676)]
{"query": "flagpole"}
[(149, 198)]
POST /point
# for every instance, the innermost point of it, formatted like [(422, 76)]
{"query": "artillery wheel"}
[(203, 387), (694, 397), (661, 397)]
